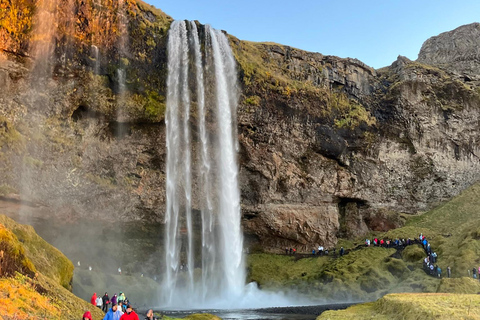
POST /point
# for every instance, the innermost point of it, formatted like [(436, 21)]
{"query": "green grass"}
[(453, 230), (412, 307)]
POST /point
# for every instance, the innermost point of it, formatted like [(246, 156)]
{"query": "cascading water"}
[(43, 32), (121, 72), (222, 277)]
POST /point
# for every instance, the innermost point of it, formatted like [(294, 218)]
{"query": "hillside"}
[(412, 306), (35, 273), (366, 274)]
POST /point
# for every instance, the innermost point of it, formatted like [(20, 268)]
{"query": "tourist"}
[(111, 313), (449, 272), (106, 301), (320, 250), (118, 313), (87, 316), (119, 270), (439, 272), (93, 299), (294, 251), (130, 314), (286, 250), (342, 251), (114, 299), (121, 297), (291, 250), (474, 273), (313, 252), (99, 302), (150, 315)]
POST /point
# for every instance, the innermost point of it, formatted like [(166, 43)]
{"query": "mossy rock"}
[(459, 285), (47, 259), (413, 254)]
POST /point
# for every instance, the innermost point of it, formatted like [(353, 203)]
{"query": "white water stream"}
[(220, 253)]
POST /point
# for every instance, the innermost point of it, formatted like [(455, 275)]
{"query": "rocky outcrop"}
[(457, 50), (329, 147)]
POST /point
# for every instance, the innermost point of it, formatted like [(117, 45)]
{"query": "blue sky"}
[(373, 31)]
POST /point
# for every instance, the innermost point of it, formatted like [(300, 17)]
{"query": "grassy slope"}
[(37, 295), (47, 259), (454, 231), (411, 307)]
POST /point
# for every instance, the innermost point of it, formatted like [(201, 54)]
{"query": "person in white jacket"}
[(99, 302)]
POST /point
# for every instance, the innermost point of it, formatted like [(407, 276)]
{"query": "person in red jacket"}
[(87, 316), (93, 300), (130, 314)]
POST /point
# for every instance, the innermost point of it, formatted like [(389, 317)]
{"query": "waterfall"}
[(122, 45), (43, 33), (96, 59), (210, 85)]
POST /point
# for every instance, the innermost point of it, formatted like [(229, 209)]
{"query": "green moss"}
[(252, 101), (413, 254), (350, 113), (155, 106), (12, 255), (47, 259), (6, 189), (9, 136)]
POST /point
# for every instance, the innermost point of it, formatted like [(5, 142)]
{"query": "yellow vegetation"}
[(408, 306), (27, 302)]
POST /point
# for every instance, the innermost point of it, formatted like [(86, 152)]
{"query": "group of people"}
[(116, 308), (105, 301), (429, 263), (114, 314)]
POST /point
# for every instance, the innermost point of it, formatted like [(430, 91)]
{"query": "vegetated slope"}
[(409, 306), (454, 231), (26, 292), (368, 273)]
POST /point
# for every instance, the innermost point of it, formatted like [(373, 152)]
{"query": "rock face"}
[(458, 50), (329, 147)]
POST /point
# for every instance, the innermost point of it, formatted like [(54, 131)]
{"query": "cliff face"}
[(328, 146), (458, 50)]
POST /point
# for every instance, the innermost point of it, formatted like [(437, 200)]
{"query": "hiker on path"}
[(130, 314), (99, 302), (150, 315), (93, 299), (106, 301), (111, 313), (449, 272)]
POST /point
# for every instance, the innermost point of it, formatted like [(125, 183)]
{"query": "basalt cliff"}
[(328, 147)]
